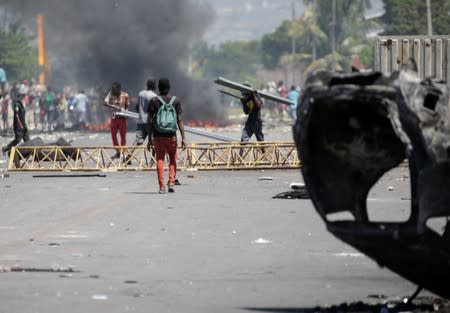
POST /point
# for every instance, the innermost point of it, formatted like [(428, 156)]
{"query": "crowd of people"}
[(42, 108), (281, 110), (48, 109)]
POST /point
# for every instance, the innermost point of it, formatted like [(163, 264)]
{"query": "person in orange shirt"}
[(117, 100)]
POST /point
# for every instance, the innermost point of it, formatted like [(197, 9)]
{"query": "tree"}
[(236, 60), (307, 28), (275, 44), (312, 32), (409, 17), (17, 56), (350, 31)]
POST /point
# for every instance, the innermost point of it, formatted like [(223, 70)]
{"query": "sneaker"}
[(127, 160), (171, 189), (116, 156), (177, 183), (162, 190)]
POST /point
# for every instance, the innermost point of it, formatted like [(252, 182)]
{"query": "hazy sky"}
[(249, 19)]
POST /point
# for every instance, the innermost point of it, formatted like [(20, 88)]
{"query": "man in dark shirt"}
[(165, 142), (251, 104), (19, 125)]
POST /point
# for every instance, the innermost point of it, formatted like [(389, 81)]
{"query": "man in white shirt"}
[(144, 98), (81, 102)]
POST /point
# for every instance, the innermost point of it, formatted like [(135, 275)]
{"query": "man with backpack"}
[(165, 116)]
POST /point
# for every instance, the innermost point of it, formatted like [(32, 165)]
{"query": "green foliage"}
[(312, 33), (16, 55), (236, 60), (409, 17), (367, 55), (275, 44)]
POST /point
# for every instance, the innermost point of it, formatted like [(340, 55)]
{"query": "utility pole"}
[(293, 45), (333, 35), (314, 49), (429, 24)]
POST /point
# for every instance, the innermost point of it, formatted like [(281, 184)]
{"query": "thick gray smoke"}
[(129, 41)]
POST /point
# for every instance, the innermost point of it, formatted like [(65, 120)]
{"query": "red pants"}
[(119, 124), (165, 145)]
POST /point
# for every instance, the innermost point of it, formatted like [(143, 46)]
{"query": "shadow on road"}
[(142, 193), (421, 304)]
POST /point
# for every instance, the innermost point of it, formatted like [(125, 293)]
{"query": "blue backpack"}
[(166, 117)]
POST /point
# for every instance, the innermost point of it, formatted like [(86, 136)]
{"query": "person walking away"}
[(293, 96), (117, 100), (5, 110), (49, 103), (143, 102), (251, 105), (165, 116), (2, 80), (80, 105), (19, 124)]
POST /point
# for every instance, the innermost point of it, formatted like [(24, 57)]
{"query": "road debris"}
[(53, 269), (294, 194), (261, 241), (297, 186), (68, 175), (349, 254), (100, 297)]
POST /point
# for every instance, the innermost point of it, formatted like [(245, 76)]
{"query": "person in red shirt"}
[(165, 142), (117, 100)]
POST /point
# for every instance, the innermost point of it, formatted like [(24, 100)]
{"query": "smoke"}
[(129, 41)]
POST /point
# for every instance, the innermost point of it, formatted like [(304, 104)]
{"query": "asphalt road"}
[(220, 243)]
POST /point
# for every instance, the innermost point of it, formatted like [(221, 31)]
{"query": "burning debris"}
[(353, 128), (129, 41)]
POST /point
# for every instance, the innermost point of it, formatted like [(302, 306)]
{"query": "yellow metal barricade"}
[(200, 156)]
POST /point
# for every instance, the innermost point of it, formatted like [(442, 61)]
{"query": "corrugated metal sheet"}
[(431, 54)]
